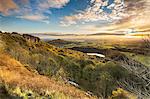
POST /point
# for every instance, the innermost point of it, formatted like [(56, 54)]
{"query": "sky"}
[(75, 16)]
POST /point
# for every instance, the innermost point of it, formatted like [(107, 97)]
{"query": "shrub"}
[(121, 94)]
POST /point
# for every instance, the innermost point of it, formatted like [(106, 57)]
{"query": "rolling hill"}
[(30, 67)]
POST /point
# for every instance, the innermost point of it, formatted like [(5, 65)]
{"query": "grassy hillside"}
[(19, 81), (48, 65)]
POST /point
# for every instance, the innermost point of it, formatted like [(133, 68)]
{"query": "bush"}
[(121, 94)]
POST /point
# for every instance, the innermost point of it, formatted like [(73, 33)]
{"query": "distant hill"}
[(140, 34), (107, 34), (60, 42), (53, 34)]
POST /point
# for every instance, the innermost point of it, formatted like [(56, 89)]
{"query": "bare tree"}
[(147, 41), (140, 82)]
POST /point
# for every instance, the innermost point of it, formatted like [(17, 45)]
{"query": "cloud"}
[(7, 5), (53, 3), (139, 12), (33, 17), (99, 10), (30, 10), (124, 16)]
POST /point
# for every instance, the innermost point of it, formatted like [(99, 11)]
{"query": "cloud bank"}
[(98, 10), (99, 16), (138, 16), (30, 9), (120, 15)]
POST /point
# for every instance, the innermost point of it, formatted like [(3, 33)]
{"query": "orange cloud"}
[(6, 5)]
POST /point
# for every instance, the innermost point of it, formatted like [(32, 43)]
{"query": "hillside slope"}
[(97, 76), (15, 75)]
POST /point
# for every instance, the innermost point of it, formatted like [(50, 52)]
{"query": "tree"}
[(147, 41)]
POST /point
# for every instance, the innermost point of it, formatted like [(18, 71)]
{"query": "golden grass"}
[(14, 73)]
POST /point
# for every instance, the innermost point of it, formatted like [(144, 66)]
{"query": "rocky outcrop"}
[(31, 38)]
